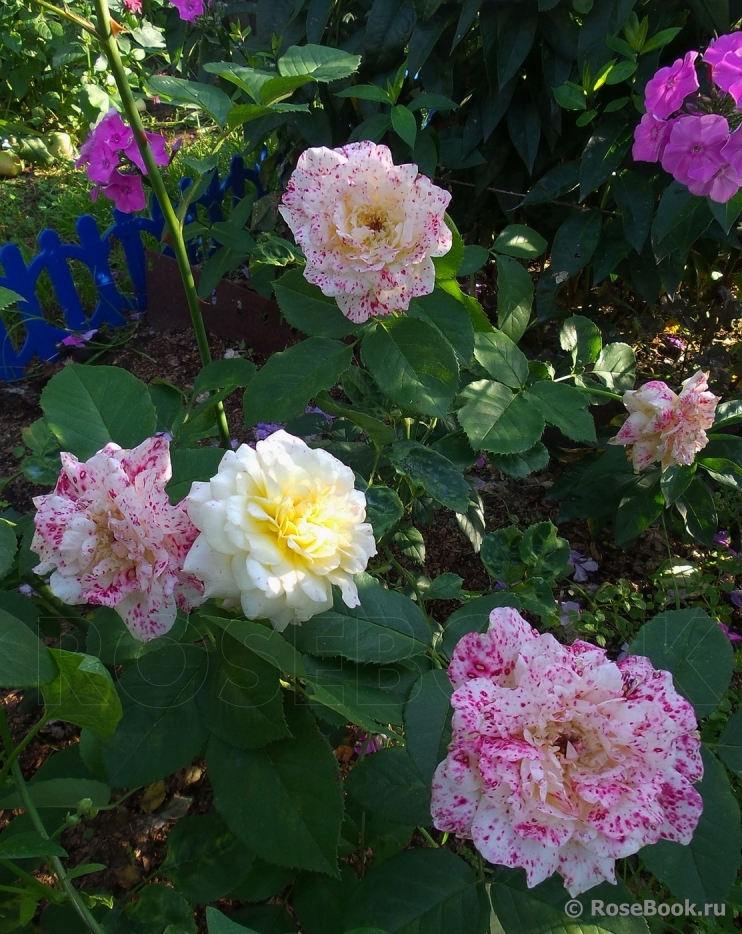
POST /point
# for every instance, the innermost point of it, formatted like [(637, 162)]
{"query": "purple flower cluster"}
[(697, 137), (102, 152)]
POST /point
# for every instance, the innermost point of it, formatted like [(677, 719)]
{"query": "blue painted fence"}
[(40, 337)]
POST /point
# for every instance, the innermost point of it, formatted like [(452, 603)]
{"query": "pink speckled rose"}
[(561, 760), (666, 427), (109, 536), (368, 227)]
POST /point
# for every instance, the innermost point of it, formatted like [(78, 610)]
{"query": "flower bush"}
[(280, 525), (110, 537), (368, 228), (561, 759)]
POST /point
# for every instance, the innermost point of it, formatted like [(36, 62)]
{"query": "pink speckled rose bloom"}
[(666, 427), (368, 227), (109, 536), (561, 760)]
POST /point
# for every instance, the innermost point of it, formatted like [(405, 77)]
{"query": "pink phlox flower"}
[(133, 6), (189, 9), (102, 164), (158, 145), (126, 191), (369, 744), (666, 427), (112, 131), (736, 597), (666, 91), (725, 56), (724, 45), (721, 187), (693, 152), (78, 340), (562, 760), (650, 138), (582, 565), (263, 430), (109, 536)]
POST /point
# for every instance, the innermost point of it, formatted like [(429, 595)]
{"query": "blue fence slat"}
[(35, 336)]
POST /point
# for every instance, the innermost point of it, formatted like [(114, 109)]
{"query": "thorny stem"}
[(54, 604), (68, 14), (108, 40), (600, 392), (70, 891)]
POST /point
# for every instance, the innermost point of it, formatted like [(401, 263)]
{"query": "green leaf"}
[(432, 471), (29, 846), (705, 870), (189, 465), (404, 124), (384, 509), (557, 182), (366, 92), (379, 432), (427, 719), (723, 471), (24, 660), (8, 546), (565, 407), (224, 374), (730, 744), (432, 102), (449, 317), (8, 297), (217, 923), (362, 693), (160, 731), (88, 406), (501, 357), (305, 307), (726, 214), (522, 464), (319, 901), (514, 297), (83, 693), (60, 793), (387, 784), (319, 61), (542, 549), (204, 858), (728, 412), (386, 627), (241, 699), (635, 201), (698, 511), (691, 646), (521, 241), (474, 617), (204, 96), (575, 242), (264, 641), (496, 420), (681, 218), (416, 890), (616, 366), (447, 266), (282, 388), (158, 909), (675, 481), (580, 338), (570, 96), (413, 364), (285, 800), (281, 88), (521, 910), (475, 257), (638, 510), (603, 154)]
